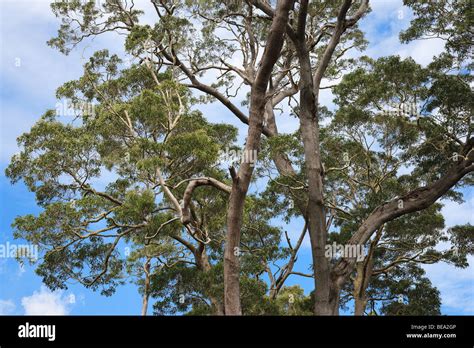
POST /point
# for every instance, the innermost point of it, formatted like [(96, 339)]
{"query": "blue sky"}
[(30, 72)]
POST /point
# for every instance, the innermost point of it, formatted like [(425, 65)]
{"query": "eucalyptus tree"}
[(151, 151), (391, 268), (389, 89), (394, 118), (273, 52), (398, 127), (118, 185), (173, 42)]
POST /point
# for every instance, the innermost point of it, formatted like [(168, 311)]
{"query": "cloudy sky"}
[(30, 72)]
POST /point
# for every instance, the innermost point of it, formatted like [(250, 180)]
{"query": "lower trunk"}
[(360, 304), (145, 304), (146, 288), (363, 274), (232, 253), (360, 300), (317, 232), (331, 304), (334, 296), (235, 210)]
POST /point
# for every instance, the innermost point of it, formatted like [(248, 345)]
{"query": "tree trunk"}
[(327, 290), (315, 210), (360, 300), (364, 273), (241, 181), (360, 304), (240, 187), (146, 289), (334, 296)]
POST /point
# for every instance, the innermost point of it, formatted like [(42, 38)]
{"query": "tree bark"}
[(364, 273), (204, 264), (309, 127)]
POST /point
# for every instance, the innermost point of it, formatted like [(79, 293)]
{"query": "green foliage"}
[(449, 20), (421, 298)]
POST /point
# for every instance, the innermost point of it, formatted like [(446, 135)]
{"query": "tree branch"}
[(186, 212)]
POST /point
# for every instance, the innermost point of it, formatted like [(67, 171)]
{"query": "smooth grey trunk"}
[(309, 127)]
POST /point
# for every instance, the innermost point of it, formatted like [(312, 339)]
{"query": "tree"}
[(393, 257), (171, 195), (447, 20), (405, 292), (394, 126)]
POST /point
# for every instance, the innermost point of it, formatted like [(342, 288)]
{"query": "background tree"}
[(429, 139)]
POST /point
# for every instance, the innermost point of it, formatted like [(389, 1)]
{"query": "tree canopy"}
[(135, 187)]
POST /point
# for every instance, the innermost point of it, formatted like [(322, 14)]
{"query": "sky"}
[(30, 72)]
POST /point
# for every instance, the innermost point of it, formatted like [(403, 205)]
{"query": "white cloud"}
[(31, 71), (422, 51), (382, 27), (45, 302), (6, 307), (455, 285), (457, 214)]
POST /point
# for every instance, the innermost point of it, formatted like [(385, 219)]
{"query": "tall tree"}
[(168, 203)]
